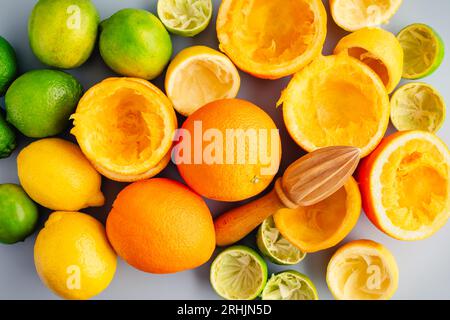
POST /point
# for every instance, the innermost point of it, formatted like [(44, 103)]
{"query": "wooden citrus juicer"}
[(306, 182)]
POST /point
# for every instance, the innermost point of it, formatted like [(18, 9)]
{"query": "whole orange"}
[(228, 150), (160, 226)]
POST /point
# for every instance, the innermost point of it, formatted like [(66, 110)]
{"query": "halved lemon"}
[(418, 106), (377, 48), (405, 185), (248, 34), (125, 127), (352, 15), (186, 18), (199, 75), (362, 270), (323, 225), (424, 50), (336, 101), (289, 285)]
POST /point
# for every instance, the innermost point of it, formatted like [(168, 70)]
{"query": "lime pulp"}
[(275, 247), (238, 273), (185, 17), (290, 285)]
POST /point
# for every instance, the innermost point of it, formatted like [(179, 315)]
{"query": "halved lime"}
[(290, 285), (423, 50), (186, 18), (417, 106), (238, 273), (275, 247)]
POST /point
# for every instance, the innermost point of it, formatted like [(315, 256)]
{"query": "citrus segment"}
[(289, 285), (199, 75), (317, 113), (257, 45), (362, 270), (405, 185), (418, 106), (323, 225), (352, 15), (274, 246), (424, 50), (238, 273), (377, 48), (186, 17), (125, 127)]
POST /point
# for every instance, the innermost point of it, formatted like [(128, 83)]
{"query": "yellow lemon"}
[(199, 75), (379, 49), (55, 174), (73, 257)]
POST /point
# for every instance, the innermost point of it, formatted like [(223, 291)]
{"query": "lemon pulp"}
[(372, 61)]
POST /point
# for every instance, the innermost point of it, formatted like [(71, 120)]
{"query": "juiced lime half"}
[(275, 247), (417, 106), (290, 285), (423, 50), (238, 273), (186, 18)]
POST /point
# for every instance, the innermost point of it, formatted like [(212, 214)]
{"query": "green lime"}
[(275, 247), (417, 106), (290, 285), (238, 273), (40, 103), (8, 65), (7, 138), (134, 43), (186, 18), (63, 33), (18, 214), (423, 48)]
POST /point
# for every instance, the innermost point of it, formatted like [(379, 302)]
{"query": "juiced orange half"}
[(249, 34), (336, 101), (125, 127), (323, 225)]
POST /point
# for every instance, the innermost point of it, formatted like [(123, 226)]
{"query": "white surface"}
[(424, 266)]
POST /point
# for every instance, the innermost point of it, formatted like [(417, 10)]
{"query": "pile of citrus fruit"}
[(226, 149)]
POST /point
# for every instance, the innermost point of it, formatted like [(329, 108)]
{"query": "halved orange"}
[(125, 127), (362, 270), (248, 34), (336, 101), (323, 225), (405, 185), (379, 49)]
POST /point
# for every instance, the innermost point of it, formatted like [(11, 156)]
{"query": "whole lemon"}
[(56, 175), (73, 257), (63, 32), (134, 43)]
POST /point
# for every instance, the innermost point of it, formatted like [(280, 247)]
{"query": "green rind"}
[(18, 214), (439, 56), (296, 274), (39, 103), (252, 253), (8, 65), (7, 138), (56, 45)]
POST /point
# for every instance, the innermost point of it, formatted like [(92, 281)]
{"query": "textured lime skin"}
[(18, 214), (7, 138), (8, 65), (134, 43), (63, 33), (39, 103)]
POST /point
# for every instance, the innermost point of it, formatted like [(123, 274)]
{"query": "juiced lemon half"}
[(362, 270)]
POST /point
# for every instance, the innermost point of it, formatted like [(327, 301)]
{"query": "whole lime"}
[(8, 65), (134, 43), (39, 103), (18, 214), (7, 138), (63, 32)]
